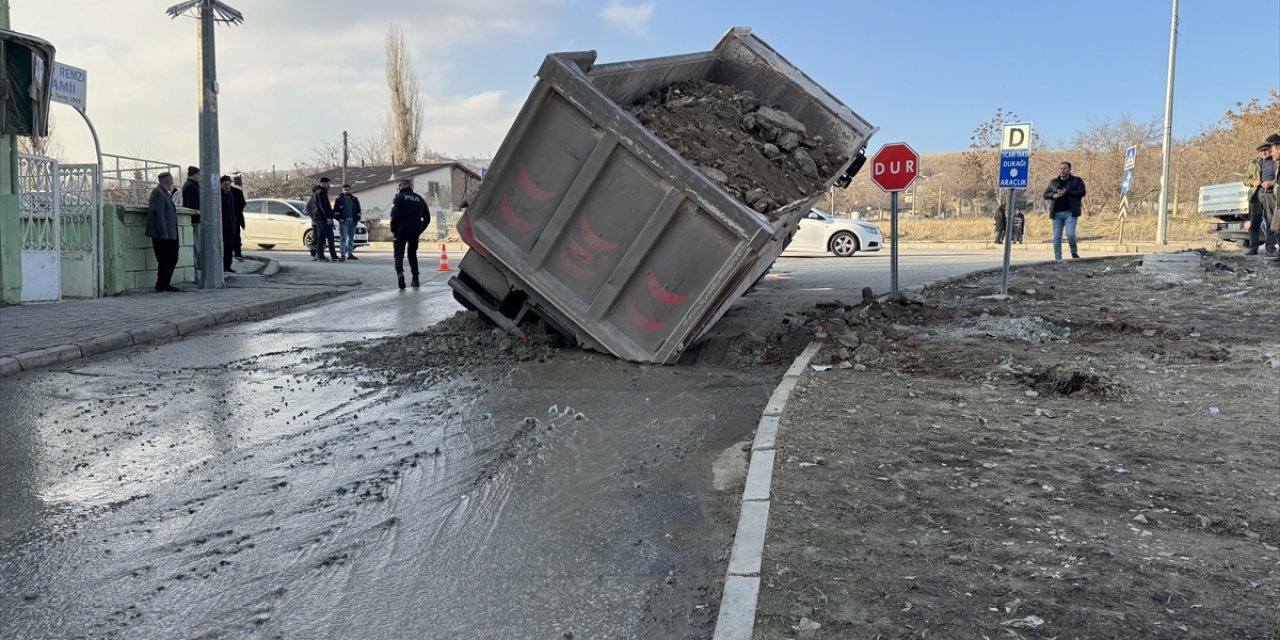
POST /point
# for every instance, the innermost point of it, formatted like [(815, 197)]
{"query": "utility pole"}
[(345, 156), (1162, 226), (208, 12)]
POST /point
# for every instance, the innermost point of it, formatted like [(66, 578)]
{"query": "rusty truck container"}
[(587, 219)]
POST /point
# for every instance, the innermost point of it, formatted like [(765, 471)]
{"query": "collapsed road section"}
[(626, 244)]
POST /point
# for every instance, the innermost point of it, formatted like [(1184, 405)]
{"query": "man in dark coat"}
[(162, 228), (191, 200), (1064, 195), (346, 210), (321, 212), (233, 204), (409, 218)]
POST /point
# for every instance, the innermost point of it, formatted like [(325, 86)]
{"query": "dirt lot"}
[(1098, 457)]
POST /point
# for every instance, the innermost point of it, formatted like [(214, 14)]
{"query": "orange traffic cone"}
[(444, 260)]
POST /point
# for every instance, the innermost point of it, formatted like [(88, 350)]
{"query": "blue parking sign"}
[(1015, 165)]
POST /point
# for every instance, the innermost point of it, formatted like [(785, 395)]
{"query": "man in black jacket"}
[(233, 204), (321, 212), (346, 210), (1064, 195), (191, 200), (409, 218)]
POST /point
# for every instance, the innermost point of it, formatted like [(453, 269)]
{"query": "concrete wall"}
[(129, 261)]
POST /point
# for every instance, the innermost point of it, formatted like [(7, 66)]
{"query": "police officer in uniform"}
[(409, 218)]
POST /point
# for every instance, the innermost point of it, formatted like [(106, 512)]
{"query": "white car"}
[(272, 221), (821, 233)]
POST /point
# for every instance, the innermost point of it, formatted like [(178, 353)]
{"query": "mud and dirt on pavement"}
[(759, 153), (1095, 458)]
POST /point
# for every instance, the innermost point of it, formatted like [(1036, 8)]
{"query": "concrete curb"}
[(737, 617), (152, 333)]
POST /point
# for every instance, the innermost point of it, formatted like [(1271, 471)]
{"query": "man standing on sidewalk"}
[(409, 218), (321, 212), (233, 204), (1260, 177), (1064, 195), (191, 200), (346, 210), (162, 228)]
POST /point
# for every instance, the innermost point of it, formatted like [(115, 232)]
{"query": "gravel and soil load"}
[(1098, 457), (760, 154)]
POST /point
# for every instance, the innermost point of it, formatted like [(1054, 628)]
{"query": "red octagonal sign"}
[(894, 167)]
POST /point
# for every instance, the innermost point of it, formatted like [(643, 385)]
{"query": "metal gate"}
[(79, 206), (38, 204)]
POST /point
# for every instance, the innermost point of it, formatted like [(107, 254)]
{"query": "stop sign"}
[(894, 167)]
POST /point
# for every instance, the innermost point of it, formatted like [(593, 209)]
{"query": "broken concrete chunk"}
[(788, 141), (780, 120), (715, 174), (807, 165)]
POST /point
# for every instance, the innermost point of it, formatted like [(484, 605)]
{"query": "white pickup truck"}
[(1229, 204)]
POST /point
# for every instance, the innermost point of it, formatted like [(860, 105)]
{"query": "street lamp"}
[(208, 12), (1162, 221)]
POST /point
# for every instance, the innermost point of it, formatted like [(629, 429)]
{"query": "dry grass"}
[(1093, 228)]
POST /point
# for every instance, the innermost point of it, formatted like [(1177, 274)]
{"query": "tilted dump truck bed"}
[(589, 220)]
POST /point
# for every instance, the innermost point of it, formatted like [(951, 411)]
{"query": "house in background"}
[(444, 185)]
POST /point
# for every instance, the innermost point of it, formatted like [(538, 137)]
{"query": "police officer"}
[(409, 218)]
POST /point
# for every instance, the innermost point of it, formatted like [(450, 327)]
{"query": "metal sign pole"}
[(893, 250), (1124, 213), (1008, 243)]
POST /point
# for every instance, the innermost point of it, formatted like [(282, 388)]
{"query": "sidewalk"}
[(39, 335)]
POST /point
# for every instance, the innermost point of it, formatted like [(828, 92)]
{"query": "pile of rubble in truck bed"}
[(760, 154)]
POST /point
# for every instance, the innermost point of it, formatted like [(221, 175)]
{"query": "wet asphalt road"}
[(231, 485), (228, 485)]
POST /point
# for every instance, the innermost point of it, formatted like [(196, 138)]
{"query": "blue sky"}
[(925, 72)]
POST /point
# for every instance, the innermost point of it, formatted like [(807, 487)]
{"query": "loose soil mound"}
[(1095, 458), (760, 154)]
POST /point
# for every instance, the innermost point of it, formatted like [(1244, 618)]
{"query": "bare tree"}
[(404, 130), (1097, 153), (326, 155), (980, 163)]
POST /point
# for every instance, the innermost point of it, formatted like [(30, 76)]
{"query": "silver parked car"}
[(272, 221), (821, 233)]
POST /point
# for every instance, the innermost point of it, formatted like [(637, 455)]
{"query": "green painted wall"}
[(10, 231), (129, 262)]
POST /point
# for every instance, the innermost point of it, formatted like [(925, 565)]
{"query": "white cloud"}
[(633, 19), (469, 126), (289, 79)]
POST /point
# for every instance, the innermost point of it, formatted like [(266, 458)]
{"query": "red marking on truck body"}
[(532, 190), (469, 235), (515, 221), (638, 318), (596, 242), (586, 258), (661, 294), (572, 268)]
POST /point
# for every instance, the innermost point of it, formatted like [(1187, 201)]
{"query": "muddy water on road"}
[(255, 491)]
